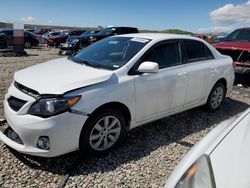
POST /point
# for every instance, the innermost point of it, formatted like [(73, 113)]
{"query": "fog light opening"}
[(43, 143)]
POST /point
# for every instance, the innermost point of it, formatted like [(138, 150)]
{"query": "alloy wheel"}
[(105, 133), (217, 97)]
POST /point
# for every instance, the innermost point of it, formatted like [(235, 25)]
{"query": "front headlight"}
[(46, 107), (199, 175)]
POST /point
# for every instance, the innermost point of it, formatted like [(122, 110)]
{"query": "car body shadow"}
[(140, 141)]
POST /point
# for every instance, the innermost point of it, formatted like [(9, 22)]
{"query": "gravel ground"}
[(145, 159)]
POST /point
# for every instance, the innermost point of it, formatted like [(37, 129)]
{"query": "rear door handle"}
[(182, 74), (213, 66)]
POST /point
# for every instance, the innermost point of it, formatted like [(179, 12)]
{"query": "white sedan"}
[(221, 159), (91, 100)]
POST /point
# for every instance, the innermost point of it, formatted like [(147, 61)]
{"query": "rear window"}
[(195, 51)]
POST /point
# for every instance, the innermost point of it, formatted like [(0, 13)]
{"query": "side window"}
[(10, 32), (117, 31), (166, 55), (196, 51)]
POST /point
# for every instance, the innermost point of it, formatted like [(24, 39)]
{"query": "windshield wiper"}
[(90, 64), (85, 62)]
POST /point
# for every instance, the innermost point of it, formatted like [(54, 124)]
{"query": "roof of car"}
[(156, 36), (6, 29), (244, 28)]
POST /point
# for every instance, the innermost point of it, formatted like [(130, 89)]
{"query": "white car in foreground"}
[(91, 100), (221, 159)]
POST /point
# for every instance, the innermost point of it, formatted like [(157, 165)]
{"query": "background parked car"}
[(237, 45), (72, 43), (62, 37), (7, 39), (220, 159), (2, 42), (5, 36), (106, 32), (50, 34)]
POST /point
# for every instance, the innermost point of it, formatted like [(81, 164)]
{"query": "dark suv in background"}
[(86, 39), (4, 34), (7, 39), (106, 32)]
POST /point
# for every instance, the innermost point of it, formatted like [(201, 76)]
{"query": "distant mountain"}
[(35, 26), (178, 31), (222, 33), (172, 31)]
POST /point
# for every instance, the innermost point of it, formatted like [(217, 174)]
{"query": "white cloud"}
[(231, 14), (29, 19)]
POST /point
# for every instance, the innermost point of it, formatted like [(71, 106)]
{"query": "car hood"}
[(59, 76), (57, 37), (233, 46)]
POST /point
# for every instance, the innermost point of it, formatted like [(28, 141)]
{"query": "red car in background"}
[(62, 37), (237, 45)]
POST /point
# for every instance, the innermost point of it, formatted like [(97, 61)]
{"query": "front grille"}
[(26, 90), (15, 103), (13, 135)]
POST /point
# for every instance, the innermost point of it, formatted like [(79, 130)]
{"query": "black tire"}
[(211, 105), (84, 144), (27, 44)]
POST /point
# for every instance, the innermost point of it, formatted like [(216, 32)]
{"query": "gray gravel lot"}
[(145, 159)]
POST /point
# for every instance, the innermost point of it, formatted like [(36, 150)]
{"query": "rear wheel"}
[(27, 44), (102, 132), (216, 97)]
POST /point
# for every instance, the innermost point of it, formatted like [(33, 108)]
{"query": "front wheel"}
[(102, 132), (216, 97)]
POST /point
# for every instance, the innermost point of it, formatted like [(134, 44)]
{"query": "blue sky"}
[(191, 15)]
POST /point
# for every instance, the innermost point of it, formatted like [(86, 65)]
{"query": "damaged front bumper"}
[(242, 68), (241, 59)]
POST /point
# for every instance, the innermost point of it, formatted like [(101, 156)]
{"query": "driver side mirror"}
[(148, 67)]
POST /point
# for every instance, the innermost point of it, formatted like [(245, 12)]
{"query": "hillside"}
[(172, 31), (178, 31), (32, 26)]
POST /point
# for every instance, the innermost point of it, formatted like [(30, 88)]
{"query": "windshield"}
[(107, 31), (110, 53), (90, 32), (63, 34), (239, 35)]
